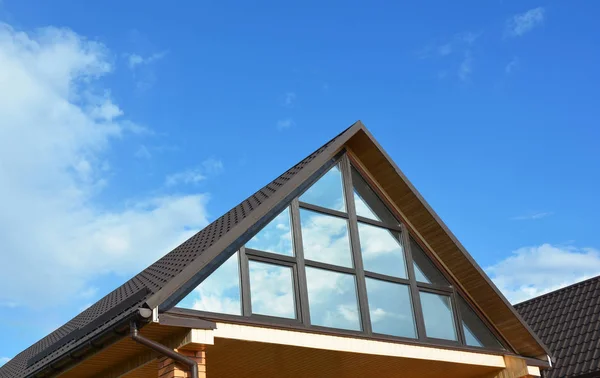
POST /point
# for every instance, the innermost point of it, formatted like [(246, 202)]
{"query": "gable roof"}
[(568, 320), (170, 278)]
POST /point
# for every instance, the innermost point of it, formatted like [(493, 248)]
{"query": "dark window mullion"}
[(302, 288), (245, 278), (323, 210), (385, 277), (414, 290), (447, 290), (326, 266), (457, 319), (355, 246), (275, 257), (372, 222)]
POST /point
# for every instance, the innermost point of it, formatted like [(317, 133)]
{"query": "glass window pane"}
[(332, 299), (325, 238), (275, 237), (367, 202), (327, 191), (272, 290), (381, 250), (219, 292), (476, 332), (390, 308), (425, 271), (437, 312)]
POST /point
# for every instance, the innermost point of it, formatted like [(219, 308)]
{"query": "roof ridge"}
[(556, 291)]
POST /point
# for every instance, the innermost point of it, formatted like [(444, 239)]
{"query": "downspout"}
[(135, 336)]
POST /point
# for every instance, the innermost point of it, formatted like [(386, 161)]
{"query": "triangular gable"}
[(350, 252), (369, 158)]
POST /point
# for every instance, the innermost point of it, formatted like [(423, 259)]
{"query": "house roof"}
[(170, 278), (567, 320)]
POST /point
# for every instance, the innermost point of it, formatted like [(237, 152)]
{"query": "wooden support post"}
[(516, 368), (168, 368)]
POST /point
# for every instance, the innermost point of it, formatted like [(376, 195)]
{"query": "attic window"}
[(219, 292), (337, 256), (438, 315), (381, 250), (477, 334), (367, 203), (275, 237), (327, 192), (325, 238), (425, 270), (332, 298), (272, 290)]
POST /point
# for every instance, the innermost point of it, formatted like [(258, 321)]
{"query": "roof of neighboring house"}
[(170, 278), (568, 322)]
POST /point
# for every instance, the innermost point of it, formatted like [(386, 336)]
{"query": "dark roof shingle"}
[(568, 322)]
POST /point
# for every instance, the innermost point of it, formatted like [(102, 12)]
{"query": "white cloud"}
[(466, 66), (135, 60), (212, 166), (4, 360), (455, 44), (142, 69), (448, 50), (523, 23), (56, 130), (190, 176), (209, 166), (142, 152), (533, 216), (289, 99), (512, 66), (285, 123), (532, 271)]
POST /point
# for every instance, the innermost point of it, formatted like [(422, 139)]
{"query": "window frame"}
[(346, 162)]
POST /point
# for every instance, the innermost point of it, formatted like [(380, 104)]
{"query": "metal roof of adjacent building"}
[(568, 322)]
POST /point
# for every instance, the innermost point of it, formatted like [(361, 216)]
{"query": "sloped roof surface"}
[(568, 322), (128, 297)]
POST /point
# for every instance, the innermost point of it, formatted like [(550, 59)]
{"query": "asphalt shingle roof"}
[(127, 298), (568, 322)]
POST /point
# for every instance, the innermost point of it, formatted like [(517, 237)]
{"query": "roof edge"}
[(220, 245), (454, 239)]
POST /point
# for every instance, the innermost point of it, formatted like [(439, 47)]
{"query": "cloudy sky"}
[(125, 128)]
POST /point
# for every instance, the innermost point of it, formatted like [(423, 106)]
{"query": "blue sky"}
[(126, 127)]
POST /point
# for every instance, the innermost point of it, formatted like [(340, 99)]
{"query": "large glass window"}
[(425, 271), (275, 237), (340, 258), (219, 292), (327, 192), (438, 316), (390, 308), (325, 238), (332, 299), (476, 332), (272, 290), (381, 250), (367, 203)]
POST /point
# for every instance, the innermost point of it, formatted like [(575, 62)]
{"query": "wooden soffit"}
[(426, 224)]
